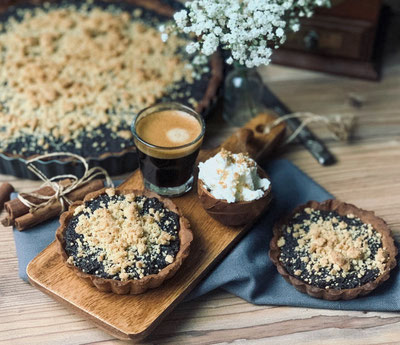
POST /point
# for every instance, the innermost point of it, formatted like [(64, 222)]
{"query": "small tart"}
[(333, 250), (124, 241), (237, 213)]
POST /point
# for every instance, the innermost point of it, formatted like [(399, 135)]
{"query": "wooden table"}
[(367, 174)]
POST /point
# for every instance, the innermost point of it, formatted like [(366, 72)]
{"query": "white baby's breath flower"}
[(181, 18), (247, 28), (192, 47), (210, 44), (164, 37), (200, 59), (295, 27), (279, 32)]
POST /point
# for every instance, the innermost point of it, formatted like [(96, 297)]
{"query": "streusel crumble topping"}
[(122, 236), (327, 250)]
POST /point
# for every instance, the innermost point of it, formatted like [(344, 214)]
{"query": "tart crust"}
[(342, 209), (132, 286)]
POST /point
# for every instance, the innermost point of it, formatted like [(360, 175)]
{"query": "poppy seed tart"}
[(74, 73), (333, 250), (124, 241)]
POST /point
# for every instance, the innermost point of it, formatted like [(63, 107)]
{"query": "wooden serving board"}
[(135, 316)]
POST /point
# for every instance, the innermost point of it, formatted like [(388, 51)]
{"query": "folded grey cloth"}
[(247, 271)]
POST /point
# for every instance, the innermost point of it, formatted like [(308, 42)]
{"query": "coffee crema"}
[(168, 129)]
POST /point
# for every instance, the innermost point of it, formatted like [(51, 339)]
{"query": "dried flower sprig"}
[(249, 29)]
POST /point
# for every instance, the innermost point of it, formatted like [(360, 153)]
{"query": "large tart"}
[(74, 73), (333, 250), (124, 241)]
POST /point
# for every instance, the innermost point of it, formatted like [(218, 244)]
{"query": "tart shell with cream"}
[(124, 241), (333, 250), (237, 213), (233, 188)]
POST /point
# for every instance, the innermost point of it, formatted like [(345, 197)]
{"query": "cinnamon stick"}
[(5, 191), (29, 220), (15, 208), (7, 221)]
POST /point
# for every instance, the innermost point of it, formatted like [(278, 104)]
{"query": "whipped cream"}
[(232, 177)]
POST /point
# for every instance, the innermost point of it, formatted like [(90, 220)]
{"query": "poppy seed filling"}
[(122, 237), (330, 251)]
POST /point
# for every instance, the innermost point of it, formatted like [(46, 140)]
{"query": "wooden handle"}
[(253, 139)]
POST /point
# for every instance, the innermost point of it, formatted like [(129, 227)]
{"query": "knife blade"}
[(306, 137)]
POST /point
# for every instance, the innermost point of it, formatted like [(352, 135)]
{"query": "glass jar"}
[(243, 90)]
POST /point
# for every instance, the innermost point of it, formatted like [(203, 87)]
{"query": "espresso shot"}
[(167, 172), (168, 137)]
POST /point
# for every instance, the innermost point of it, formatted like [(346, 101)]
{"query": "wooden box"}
[(340, 40)]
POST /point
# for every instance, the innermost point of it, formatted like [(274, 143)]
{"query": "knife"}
[(305, 136)]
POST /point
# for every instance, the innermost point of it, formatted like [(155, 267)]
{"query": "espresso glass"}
[(168, 171)]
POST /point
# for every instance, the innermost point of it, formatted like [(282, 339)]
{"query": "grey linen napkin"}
[(247, 271)]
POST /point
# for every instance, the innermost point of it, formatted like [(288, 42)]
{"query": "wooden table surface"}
[(367, 174)]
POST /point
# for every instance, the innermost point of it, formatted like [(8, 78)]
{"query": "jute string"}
[(339, 125), (60, 192)]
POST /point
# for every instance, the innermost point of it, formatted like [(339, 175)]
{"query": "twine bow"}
[(339, 125), (60, 191)]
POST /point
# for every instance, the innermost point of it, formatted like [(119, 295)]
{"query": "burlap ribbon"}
[(60, 192)]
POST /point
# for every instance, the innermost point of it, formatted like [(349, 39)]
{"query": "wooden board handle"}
[(253, 139)]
